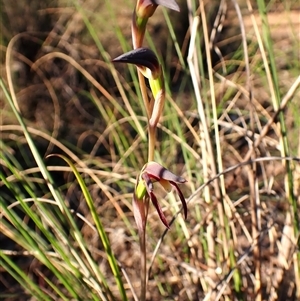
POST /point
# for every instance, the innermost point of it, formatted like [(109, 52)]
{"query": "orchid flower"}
[(148, 66), (154, 172), (143, 11), (147, 63)]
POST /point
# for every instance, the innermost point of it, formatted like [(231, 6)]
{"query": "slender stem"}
[(137, 42), (143, 250), (142, 238), (151, 142), (142, 234)]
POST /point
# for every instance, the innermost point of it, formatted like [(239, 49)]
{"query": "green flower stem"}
[(151, 142)]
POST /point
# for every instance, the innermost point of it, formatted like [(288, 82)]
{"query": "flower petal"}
[(159, 210), (182, 199), (153, 198), (158, 172), (171, 4), (145, 8), (139, 213), (166, 185), (145, 4)]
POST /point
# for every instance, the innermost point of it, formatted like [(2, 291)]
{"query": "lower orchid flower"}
[(154, 172)]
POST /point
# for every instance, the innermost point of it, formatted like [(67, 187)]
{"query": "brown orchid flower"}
[(151, 173)]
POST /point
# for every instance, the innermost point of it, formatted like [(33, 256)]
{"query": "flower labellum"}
[(144, 58)]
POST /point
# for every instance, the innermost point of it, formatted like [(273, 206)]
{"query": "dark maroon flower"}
[(154, 172), (144, 58)]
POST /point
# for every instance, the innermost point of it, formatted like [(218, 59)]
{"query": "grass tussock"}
[(73, 137)]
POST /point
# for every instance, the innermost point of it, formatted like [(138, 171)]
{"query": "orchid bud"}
[(143, 11)]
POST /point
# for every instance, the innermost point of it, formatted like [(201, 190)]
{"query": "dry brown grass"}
[(54, 93)]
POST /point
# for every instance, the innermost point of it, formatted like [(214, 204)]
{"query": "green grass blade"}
[(15, 271), (104, 238)]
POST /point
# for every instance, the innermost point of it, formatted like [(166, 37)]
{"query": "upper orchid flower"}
[(154, 172), (147, 63), (145, 60), (143, 11)]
